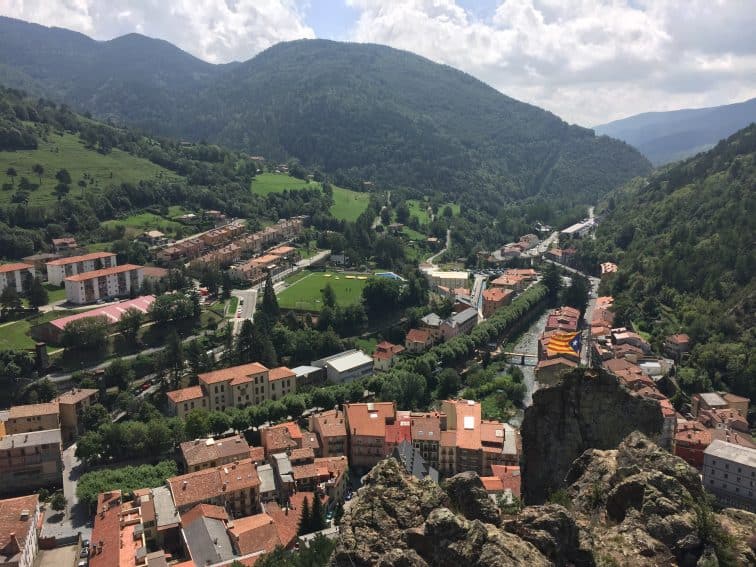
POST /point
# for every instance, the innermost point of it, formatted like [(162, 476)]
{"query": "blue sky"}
[(588, 61)]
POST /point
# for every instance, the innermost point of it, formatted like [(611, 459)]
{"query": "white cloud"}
[(587, 60), (214, 30)]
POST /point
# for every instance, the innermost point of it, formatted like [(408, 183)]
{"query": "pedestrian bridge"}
[(521, 358)]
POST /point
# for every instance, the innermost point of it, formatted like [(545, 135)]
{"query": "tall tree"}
[(129, 323), (269, 310), (39, 171), (329, 296), (552, 279), (174, 356), (61, 190), (305, 521), (63, 176), (37, 294), (317, 522), (9, 298), (11, 172)]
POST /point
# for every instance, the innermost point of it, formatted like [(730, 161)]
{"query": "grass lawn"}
[(305, 293), (233, 303), (413, 234), (68, 152), (366, 345), (139, 223), (16, 336), (55, 293), (420, 209), (348, 205)]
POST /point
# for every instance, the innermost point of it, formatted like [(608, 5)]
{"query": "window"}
[(725, 475)]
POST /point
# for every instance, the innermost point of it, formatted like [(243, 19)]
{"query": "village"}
[(249, 488)]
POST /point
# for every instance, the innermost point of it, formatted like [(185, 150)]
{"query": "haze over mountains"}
[(359, 112), (664, 137)]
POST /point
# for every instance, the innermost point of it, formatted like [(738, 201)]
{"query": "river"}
[(528, 344)]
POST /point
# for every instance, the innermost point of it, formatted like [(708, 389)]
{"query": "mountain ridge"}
[(664, 137), (357, 111)]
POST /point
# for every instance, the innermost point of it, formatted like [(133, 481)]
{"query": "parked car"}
[(84, 552)]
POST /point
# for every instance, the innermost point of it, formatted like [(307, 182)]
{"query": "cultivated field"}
[(68, 152), (348, 205), (304, 291)]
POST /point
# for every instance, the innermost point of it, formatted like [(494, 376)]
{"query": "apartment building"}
[(208, 453), (17, 276), (385, 355), (425, 429), (58, 270), (71, 405), (29, 461), (366, 427), (238, 386), (472, 444), (19, 538), (234, 486), (31, 417), (459, 323), (729, 472), (494, 299), (418, 340), (330, 427), (107, 283)]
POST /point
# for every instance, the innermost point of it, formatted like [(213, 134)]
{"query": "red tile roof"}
[(82, 258), (100, 273), (287, 522), (467, 425), (185, 394), (496, 294), (204, 510), (226, 374), (33, 410), (4, 268), (330, 423), (11, 521), (418, 336), (426, 427), (280, 373), (112, 313), (203, 485), (369, 420), (254, 533), (492, 483), (207, 450), (509, 476)]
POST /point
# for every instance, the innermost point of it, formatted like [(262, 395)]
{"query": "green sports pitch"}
[(304, 291)]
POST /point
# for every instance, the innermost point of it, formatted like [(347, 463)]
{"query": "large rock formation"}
[(587, 409), (634, 505)]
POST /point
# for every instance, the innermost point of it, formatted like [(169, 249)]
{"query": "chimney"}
[(183, 485)]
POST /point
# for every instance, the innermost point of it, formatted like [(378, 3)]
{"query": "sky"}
[(588, 61)]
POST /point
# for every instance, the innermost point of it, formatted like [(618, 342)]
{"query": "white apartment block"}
[(17, 276), (58, 270), (107, 283), (729, 472)]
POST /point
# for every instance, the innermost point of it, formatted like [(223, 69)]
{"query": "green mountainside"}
[(358, 112), (664, 137), (684, 241)]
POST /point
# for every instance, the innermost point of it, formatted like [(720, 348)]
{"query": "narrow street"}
[(75, 518)]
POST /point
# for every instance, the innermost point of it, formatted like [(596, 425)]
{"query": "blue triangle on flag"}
[(575, 343)]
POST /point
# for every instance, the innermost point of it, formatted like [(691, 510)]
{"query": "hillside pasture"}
[(68, 152), (348, 204)]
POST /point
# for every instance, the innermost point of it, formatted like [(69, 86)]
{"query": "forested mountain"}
[(359, 112), (664, 137), (684, 242)]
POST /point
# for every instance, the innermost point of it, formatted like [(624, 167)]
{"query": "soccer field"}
[(305, 291)]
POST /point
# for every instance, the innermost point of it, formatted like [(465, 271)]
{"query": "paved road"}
[(431, 260), (479, 286), (246, 309), (75, 518)]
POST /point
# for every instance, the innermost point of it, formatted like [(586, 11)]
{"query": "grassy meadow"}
[(304, 291)]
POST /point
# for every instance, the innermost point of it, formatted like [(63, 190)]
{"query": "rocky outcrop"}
[(633, 505), (396, 520), (469, 498), (587, 409)]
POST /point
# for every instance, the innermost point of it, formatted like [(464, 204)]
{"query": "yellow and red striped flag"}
[(564, 343)]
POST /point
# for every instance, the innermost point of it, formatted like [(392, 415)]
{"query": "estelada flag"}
[(564, 343)]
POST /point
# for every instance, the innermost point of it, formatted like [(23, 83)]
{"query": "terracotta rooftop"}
[(5, 268), (679, 339), (112, 313), (309, 470), (332, 466), (257, 454), (304, 453), (32, 410), (398, 432), (467, 425), (426, 427), (75, 396), (206, 510), (101, 273), (206, 450), (226, 374), (492, 483), (369, 419), (282, 250), (254, 533), (203, 485), (185, 394), (287, 522), (387, 350), (82, 258), (12, 522), (280, 373), (509, 476), (496, 294), (330, 423), (556, 361), (278, 438), (418, 336)]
